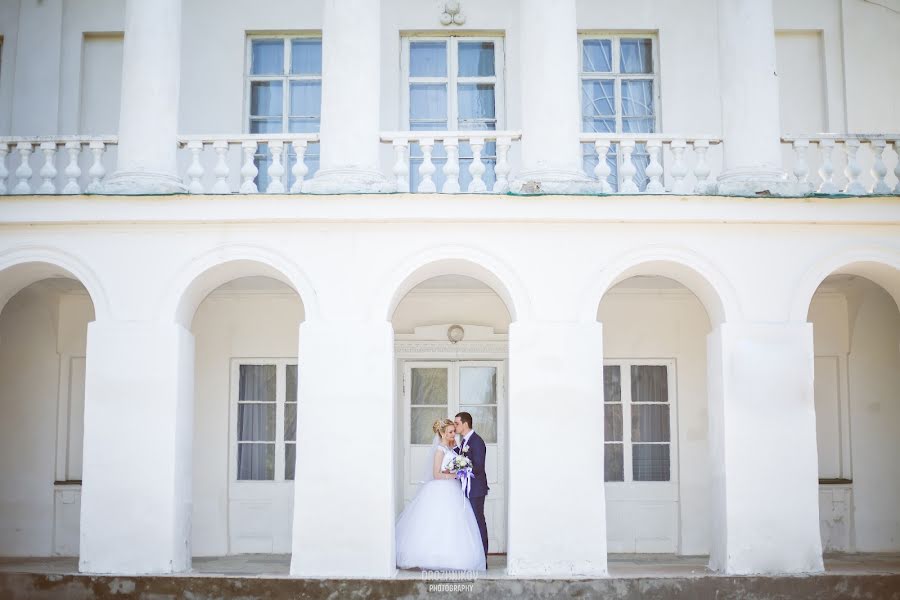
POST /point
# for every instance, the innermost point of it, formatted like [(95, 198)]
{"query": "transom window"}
[(284, 87), (265, 422), (453, 83), (619, 94), (638, 394)]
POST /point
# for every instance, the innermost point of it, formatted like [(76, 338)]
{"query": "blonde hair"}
[(441, 425)]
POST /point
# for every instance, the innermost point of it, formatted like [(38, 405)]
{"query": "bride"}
[(438, 529)]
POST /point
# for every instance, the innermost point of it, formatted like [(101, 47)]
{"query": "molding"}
[(435, 349)]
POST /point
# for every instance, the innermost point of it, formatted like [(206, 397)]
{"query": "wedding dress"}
[(438, 531)]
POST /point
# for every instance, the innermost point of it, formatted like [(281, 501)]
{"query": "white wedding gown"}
[(438, 530)]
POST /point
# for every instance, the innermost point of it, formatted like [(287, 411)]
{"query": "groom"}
[(472, 446)]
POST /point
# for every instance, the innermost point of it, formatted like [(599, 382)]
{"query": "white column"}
[(344, 491), (762, 432), (751, 130), (548, 49), (138, 426), (557, 506), (148, 120), (351, 92)]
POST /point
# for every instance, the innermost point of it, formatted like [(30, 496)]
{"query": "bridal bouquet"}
[(463, 468)]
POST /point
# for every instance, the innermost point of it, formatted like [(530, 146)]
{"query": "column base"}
[(139, 183), (760, 183), (553, 181), (349, 181)]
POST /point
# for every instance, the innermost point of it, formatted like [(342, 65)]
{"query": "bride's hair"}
[(441, 425)]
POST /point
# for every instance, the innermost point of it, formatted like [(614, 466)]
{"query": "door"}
[(437, 389)]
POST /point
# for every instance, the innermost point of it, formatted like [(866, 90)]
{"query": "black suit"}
[(477, 453)]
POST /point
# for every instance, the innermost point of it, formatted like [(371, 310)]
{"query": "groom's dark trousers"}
[(477, 454)]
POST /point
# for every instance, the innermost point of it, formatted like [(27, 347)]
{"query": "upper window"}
[(619, 94), (453, 83), (284, 87)]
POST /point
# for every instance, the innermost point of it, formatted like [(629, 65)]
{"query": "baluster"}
[(826, 169), (654, 169), (72, 171), (853, 170), (879, 169), (451, 167), (48, 169), (23, 172), (276, 169), (629, 170), (401, 164), (477, 168), (502, 168), (97, 170), (679, 168), (702, 169), (299, 169), (221, 169), (248, 169), (426, 169), (801, 167), (195, 171), (602, 170), (895, 144), (4, 172)]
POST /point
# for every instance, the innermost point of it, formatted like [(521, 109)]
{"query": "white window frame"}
[(627, 454), (281, 365)]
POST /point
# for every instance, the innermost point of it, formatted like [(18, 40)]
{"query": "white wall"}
[(434, 307)]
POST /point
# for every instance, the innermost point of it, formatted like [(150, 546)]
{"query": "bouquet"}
[(462, 466)]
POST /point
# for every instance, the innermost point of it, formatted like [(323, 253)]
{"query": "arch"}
[(452, 260), (880, 266), (220, 265), (25, 265), (684, 266)]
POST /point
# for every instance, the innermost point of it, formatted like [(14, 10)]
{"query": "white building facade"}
[(249, 253)]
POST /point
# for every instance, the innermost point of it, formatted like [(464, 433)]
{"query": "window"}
[(638, 394), (619, 94), (453, 83), (265, 426), (284, 90)]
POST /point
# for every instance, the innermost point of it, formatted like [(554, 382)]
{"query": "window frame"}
[(625, 365)]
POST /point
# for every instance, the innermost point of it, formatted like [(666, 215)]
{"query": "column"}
[(557, 506), (351, 94), (138, 429), (344, 490), (751, 128), (148, 120), (762, 432), (548, 47)]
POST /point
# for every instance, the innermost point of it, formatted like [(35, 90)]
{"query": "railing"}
[(676, 164), (853, 161), (83, 171), (451, 142), (281, 173)]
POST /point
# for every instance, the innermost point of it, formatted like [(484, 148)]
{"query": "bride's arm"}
[(436, 467)]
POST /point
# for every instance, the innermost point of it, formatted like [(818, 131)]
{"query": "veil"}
[(428, 475)]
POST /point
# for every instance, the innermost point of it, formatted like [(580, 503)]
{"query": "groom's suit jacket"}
[(477, 454)]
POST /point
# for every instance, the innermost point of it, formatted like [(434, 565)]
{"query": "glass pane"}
[(597, 56), (291, 386), (266, 99), (476, 59), (613, 462), (484, 421), (649, 383), (290, 461), (598, 100), (256, 422), (428, 102), (637, 56), (290, 422), (612, 419), (265, 125), (306, 98), (650, 462), (422, 418), (268, 57), (256, 462), (305, 125), (257, 383), (428, 59), (306, 57), (612, 383), (649, 422), (478, 385), (637, 99), (429, 386), (476, 101)]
